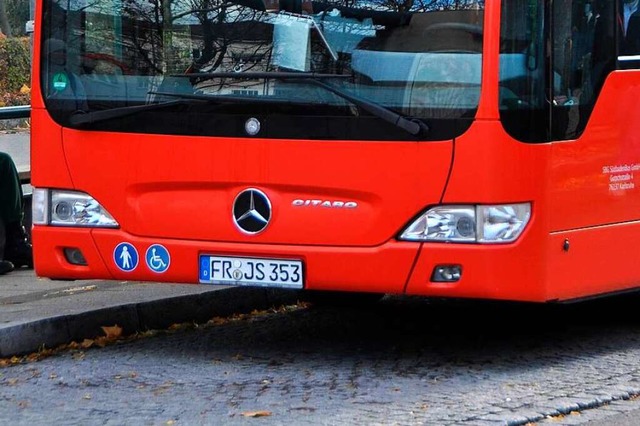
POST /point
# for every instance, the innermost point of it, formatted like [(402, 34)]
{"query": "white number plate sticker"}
[(251, 271)]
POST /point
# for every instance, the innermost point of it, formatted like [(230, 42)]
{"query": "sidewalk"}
[(16, 144), (37, 312)]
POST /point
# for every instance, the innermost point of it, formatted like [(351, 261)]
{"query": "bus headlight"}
[(502, 223), (69, 208), (487, 224)]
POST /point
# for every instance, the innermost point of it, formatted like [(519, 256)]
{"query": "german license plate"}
[(284, 273)]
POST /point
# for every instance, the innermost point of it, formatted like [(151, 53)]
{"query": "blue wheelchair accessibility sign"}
[(158, 258), (125, 256)]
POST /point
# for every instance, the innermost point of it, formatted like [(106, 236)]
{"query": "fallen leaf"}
[(256, 413), (32, 357), (25, 89), (112, 332), (103, 341), (163, 388), (217, 321), (86, 343)]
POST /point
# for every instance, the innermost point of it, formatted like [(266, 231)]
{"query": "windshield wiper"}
[(79, 119), (411, 125), (414, 126), (109, 114), (256, 75), (222, 99)]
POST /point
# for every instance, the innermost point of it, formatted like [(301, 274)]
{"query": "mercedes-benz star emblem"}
[(251, 211)]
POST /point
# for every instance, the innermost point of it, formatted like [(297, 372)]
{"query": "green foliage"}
[(15, 71), (14, 14), (18, 14)]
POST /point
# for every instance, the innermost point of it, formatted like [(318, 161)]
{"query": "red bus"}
[(450, 148)]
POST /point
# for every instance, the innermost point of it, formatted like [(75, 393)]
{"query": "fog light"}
[(446, 274), (74, 256)]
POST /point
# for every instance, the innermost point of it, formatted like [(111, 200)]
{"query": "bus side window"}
[(631, 40), (629, 34), (583, 54)]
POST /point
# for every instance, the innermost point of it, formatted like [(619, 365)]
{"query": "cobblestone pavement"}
[(403, 362)]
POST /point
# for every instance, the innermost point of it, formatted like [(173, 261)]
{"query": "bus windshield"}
[(342, 64)]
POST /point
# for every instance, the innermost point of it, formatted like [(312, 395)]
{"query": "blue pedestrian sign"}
[(158, 258), (125, 256)]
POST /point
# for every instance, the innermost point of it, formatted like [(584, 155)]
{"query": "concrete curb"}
[(31, 336)]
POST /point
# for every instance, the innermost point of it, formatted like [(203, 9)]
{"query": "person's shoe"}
[(17, 249), (5, 266)]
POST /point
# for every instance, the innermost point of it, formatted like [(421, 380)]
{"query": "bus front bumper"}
[(394, 267)]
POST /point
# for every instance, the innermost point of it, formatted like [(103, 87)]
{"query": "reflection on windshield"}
[(418, 58)]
